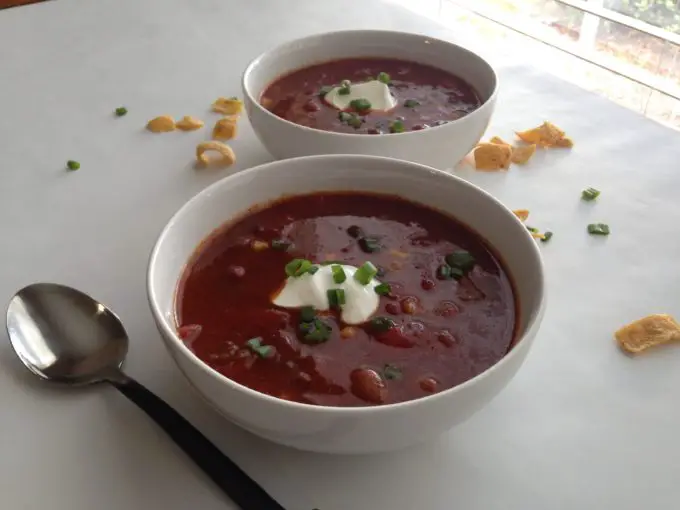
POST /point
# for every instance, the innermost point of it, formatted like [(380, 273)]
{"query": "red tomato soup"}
[(423, 96), (445, 310)]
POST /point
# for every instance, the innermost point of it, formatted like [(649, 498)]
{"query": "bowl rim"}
[(171, 333), (257, 61)]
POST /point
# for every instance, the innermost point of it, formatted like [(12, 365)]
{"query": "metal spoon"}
[(63, 335)]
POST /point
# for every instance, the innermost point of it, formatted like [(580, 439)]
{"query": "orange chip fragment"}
[(545, 135), (648, 332), (521, 155), (492, 156), (522, 214), (498, 141)]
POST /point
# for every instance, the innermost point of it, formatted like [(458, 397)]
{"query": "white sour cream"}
[(361, 301), (376, 92)]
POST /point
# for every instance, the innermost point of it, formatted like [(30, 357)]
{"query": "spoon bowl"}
[(63, 335)]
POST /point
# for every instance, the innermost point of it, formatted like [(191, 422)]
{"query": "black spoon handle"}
[(240, 488)]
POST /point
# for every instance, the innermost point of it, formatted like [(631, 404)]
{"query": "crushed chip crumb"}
[(545, 135), (498, 141), (162, 124), (491, 156), (520, 155), (227, 154), (225, 129), (522, 214), (189, 123), (648, 332), (228, 106)]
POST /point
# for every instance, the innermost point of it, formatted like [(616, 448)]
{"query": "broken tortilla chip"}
[(491, 156), (522, 214), (498, 141), (545, 135), (648, 332), (521, 155)]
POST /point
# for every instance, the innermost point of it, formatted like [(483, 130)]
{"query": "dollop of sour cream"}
[(374, 91), (361, 301)]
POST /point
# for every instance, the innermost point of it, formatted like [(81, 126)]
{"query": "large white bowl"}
[(335, 429), (441, 146)]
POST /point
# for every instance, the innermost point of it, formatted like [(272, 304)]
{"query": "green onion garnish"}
[(325, 90), (590, 194), (355, 231), (533, 230), (461, 259), (281, 245), (298, 267), (72, 165), (383, 289), (339, 275), (344, 116), (354, 121), (360, 105), (382, 324), (546, 237), (313, 269), (369, 244), (336, 298), (411, 103), (444, 272), (384, 77), (598, 229), (315, 331), (392, 372), (397, 127), (120, 111), (365, 273), (307, 314), (264, 351), (345, 86)]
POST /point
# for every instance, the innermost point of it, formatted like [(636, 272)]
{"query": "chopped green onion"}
[(382, 324), (331, 262), (546, 237), (344, 116), (392, 372), (598, 229), (533, 230), (120, 111), (313, 269), (354, 121), (325, 90), (345, 86), (280, 244), (365, 273), (384, 77), (590, 194), (72, 165), (336, 298), (355, 231), (461, 259), (444, 272), (383, 289), (298, 267), (339, 275), (397, 127), (315, 331), (369, 244), (264, 351), (360, 105), (307, 314), (411, 103)]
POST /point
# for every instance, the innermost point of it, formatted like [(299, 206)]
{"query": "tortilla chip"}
[(491, 156), (522, 214), (648, 332), (520, 155), (498, 141), (545, 135)]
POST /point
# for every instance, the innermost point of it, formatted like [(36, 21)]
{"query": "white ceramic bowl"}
[(335, 429), (441, 146)]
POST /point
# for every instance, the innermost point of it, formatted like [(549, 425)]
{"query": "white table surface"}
[(581, 426)]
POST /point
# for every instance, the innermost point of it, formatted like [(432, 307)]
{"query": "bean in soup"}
[(346, 299), (370, 96)]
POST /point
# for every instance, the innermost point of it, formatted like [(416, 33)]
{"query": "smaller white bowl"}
[(346, 429), (439, 146)]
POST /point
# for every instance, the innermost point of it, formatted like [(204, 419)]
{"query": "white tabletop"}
[(581, 426)]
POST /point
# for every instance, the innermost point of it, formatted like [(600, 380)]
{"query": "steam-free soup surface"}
[(436, 331)]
